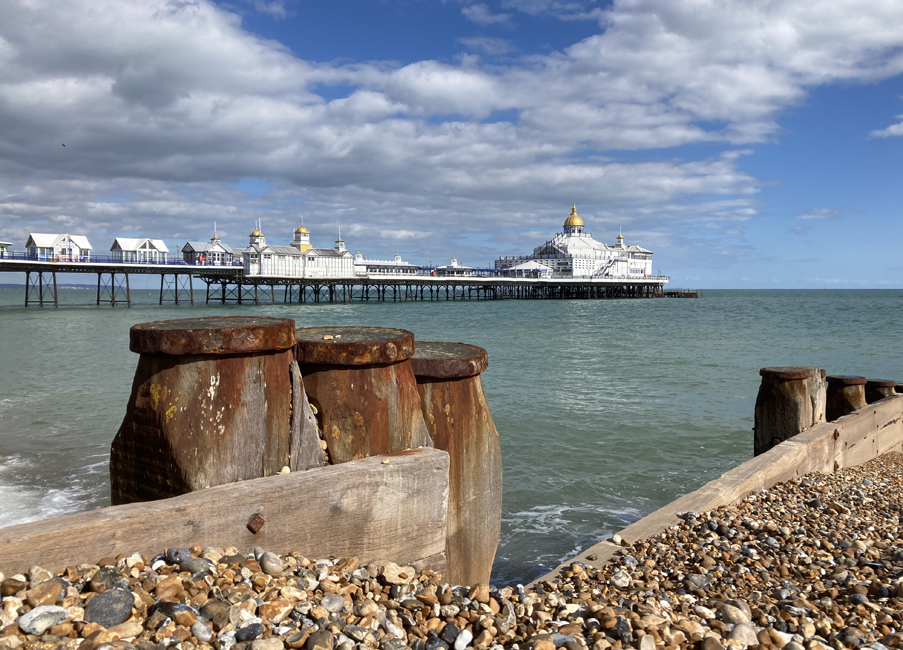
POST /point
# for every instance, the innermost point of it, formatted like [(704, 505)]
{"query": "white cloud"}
[(275, 8), (818, 214), (480, 14), (893, 129)]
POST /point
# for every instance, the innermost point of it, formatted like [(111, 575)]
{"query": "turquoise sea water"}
[(606, 410)]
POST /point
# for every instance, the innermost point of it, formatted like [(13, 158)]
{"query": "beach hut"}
[(134, 251), (59, 248), (4, 248)]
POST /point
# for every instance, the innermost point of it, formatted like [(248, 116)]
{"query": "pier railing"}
[(109, 259)]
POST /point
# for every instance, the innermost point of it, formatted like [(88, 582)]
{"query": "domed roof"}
[(574, 219), (256, 233), (302, 230)]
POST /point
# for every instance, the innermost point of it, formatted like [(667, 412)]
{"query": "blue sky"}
[(748, 144)]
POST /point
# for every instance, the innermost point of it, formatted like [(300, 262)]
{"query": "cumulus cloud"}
[(166, 104)]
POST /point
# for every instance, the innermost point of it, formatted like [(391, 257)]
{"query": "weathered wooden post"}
[(360, 381), (791, 399), (211, 403), (846, 393), (878, 389), (459, 422)]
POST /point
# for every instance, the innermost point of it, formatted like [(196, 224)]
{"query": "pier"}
[(227, 285)]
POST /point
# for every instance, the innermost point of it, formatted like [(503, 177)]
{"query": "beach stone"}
[(711, 643), (196, 566), (249, 632), (271, 564), (733, 615), (480, 593), (168, 587), (272, 643), (366, 608), (450, 633), (333, 603), (745, 634), (176, 555), (45, 593), (463, 639), (647, 643), (321, 640), (435, 643), (276, 611), (12, 586), (393, 644), (40, 619), (107, 578), (620, 579), (398, 575), (110, 607), (203, 632)]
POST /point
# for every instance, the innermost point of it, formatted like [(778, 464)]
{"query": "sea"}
[(606, 409)]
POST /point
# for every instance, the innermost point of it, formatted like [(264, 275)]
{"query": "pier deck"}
[(229, 285)]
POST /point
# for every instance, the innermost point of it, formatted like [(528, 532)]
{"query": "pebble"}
[(463, 639), (110, 607), (42, 618), (203, 632)]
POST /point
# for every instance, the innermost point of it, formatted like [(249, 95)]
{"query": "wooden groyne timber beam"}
[(850, 440), (383, 508)]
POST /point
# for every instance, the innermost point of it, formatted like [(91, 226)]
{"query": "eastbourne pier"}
[(572, 265), (228, 285)]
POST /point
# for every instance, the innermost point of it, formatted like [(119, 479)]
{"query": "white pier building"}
[(396, 267), (58, 248), (300, 260), (125, 249), (215, 252), (574, 253), (4, 248)]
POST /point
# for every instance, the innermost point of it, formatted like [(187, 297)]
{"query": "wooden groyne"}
[(245, 431), (850, 439)]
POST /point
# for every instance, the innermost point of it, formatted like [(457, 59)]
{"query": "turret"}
[(339, 244), (256, 238), (573, 225), (302, 238)]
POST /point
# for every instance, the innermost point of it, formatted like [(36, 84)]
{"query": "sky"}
[(749, 144)]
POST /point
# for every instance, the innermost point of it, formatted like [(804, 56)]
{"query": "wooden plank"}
[(371, 509), (305, 449)]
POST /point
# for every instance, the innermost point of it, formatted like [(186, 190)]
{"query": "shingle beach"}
[(808, 564)]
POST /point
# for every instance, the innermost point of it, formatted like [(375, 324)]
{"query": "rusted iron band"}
[(786, 372), (448, 360), (353, 346), (882, 383), (216, 335), (846, 380)]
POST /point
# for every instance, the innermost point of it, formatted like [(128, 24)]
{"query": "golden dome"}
[(256, 233), (574, 219), (302, 230), (620, 236)]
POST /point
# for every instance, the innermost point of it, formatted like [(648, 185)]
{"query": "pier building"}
[(454, 269), (138, 251), (300, 260), (58, 248), (573, 253), (396, 267), (4, 248), (215, 252)]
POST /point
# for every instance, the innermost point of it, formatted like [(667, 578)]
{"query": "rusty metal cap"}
[(847, 380), (788, 372), (216, 335), (881, 383), (448, 360), (353, 346)]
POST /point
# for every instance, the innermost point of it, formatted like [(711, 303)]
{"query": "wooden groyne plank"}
[(384, 508), (849, 441)]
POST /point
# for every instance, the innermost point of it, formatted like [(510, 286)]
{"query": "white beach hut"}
[(59, 248), (133, 251)]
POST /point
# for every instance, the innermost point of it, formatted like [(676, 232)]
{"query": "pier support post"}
[(458, 419), (361, 382), (211, 403), (878, 389), (846, 393), (39, 289), (791, 399)]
